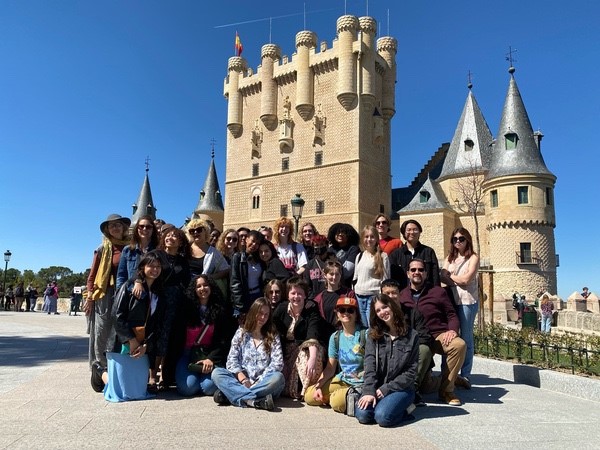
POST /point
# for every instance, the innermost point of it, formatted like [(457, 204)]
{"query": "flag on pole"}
[(238, 45)]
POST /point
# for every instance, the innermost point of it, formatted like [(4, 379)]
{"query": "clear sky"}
[(89, 89)]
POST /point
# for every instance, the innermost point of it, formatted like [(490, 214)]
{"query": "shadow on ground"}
[(27, 351)]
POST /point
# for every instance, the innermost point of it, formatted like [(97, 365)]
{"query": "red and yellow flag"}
[(238, 45)]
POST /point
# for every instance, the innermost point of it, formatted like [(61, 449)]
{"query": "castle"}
[(318, 124)]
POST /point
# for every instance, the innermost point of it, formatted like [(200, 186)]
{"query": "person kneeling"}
[(346, 347), (252, 376), (391, 356)]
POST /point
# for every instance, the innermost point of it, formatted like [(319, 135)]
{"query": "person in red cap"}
[(346, 347)]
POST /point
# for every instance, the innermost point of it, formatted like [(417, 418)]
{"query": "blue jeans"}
[(192, 383), (272, 383), (389, 411), (364, 307), (466, 314), (546, 324)]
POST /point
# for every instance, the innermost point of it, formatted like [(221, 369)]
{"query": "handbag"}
[(352, 396), (140, 332), (197, 353)]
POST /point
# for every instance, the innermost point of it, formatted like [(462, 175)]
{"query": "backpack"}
[(19, 291)]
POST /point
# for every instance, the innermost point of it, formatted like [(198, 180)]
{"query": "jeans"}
[(364, 306), (388, 411), (546, 324), (466, 314), (272, 383), (192, 383)]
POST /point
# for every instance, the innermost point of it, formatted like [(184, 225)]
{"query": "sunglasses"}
[(343, 310), (417, 269), (145, 227), (458, 239), (196, 230), (381, 222), (231, 239)]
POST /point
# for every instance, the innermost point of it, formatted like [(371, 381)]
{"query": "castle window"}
[(381, 209), (283, 210), (494, 198), (525, 253), (320, 207), (256, 202), (318, 158), (424, 196), (285, 164), (549, 196), (255, 169), (522, 195), (469, 144), (510, 141)]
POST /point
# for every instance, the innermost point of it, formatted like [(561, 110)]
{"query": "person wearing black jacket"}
[(273, 267), (391, 356), (298, 323), (246, 275), (412, 248)]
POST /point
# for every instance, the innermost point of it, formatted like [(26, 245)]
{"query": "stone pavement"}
[(46, 402)]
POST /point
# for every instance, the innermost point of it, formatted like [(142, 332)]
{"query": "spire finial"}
[(212, 148), (147, 162), (469, 80), (511, 59)]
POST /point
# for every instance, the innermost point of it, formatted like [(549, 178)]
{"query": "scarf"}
[(104, 277)]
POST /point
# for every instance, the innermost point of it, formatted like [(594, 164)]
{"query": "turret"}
[(346, 85), (236, 68), (210, 202), (368, 28), (305, 41), (144, 204), (268, 101), (387, 48)]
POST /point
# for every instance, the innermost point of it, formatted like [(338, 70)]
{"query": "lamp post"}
[(297, 206), (7, 255)]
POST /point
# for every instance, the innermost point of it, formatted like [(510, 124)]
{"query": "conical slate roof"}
[(210, 195), (144, 204), (526, 157), (470, 148), (428, 198)]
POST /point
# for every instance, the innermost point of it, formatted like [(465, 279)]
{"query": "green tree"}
[(54, 273)]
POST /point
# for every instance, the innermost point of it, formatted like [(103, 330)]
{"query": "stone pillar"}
[(237, 65), (268, 100), (346, 86), (305, 41)]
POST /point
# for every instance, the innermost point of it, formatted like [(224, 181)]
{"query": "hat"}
[(347, 301), (114, 218)]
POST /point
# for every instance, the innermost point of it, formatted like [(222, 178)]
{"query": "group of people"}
[(346, 319), (19, 297)]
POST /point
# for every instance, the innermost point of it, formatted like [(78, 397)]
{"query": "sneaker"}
[(450, 398), (419, 400), (265, 403), (463, 382), (96, 379), (220, 398)]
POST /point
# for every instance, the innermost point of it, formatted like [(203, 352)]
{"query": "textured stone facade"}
[(316, 125)]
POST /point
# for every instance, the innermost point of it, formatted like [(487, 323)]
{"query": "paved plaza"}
[(46, 402)]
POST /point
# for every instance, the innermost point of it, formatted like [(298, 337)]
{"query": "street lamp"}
[(297, 206), (7, 255)]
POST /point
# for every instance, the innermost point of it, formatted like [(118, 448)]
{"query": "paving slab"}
[(46, 402)]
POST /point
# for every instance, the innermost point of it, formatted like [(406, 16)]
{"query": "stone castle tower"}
[(506, 182), (210, 203), (144, 204), (317, 125)]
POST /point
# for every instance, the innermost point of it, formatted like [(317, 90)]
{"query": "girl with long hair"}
[(144, 238), (228, 244), (275, 292), (460, 276), (371, 267), (391, 357), (291, 253), (252, 376), (273, 267), (206, 343)]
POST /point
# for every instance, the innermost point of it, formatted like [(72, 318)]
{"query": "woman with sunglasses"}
[(204, 259), (344, 240), (228, 244), (460, 275), (275, 292), (391, 357), (346, 357), (143, 239)]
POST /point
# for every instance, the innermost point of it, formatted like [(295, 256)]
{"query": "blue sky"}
[(89, 89)]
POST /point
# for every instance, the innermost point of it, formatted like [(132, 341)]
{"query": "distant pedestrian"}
[(19, 296), (585, 293), (547, 308), (51, 299), (32, 295), (9, 297)]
